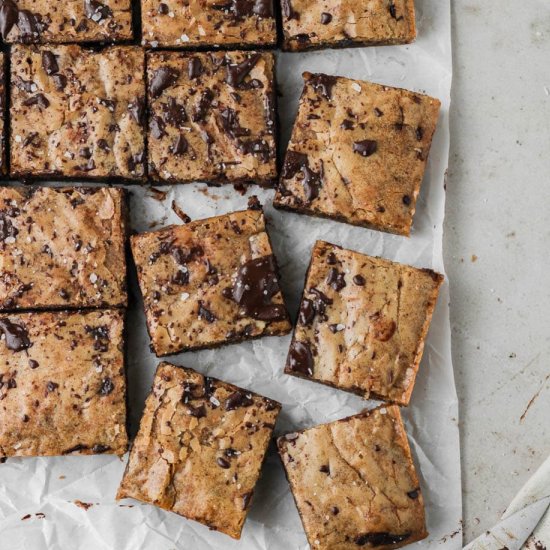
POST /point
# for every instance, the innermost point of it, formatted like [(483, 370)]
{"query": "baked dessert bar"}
[(358, 153), (200, 448), (194, 23), (313, 24), (362, 323), (212, 117), (354, 482), (62, 247), (62, 384), (77, 112), (210, 282), (44, 21)]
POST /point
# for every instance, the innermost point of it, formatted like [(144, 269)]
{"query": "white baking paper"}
[(46, 489)]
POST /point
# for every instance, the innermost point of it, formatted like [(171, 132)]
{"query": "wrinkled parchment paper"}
[(45, 489)]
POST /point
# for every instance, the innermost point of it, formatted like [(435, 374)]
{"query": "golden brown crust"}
[(62, 384), (189, 277), (354, 482), (358, 153), (44, 21), (310, 24), (200, 448), (362, 323), (62, 247), (201, 23), (212, 117), (77, 112)]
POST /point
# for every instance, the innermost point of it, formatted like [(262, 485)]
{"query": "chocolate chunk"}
[(49, 63), (254, 288), (406, 200), (202, 107), (307, 313), (100, 335), (336, 279), (326, 18), (195, 68), (247, 497), (359, 280), (162, 79), (288, 10), (137, 110), (365, 148), (312, 181), (96, 11), (206, 314), (51, 386), (106, 387), (60, 81), (180, 146), (347, 125), (78, 447), (238, 72), (7, 229), (254, 203), (335, 510), (238, 399), (174, 113), (197, 412), (30, 25), (324, 469), (413, 494), (9, 15), (181, 278), (222, 463), (248, 8), (230, 123), (163, 9), (33, 364), (392, 9), (16, 336), (300, 358), (323, 84), (419, 133), (157, 127), (39, 99), (380, 539), (99, 448)]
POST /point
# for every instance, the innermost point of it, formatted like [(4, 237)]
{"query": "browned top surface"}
[(200, 447), (62, 247)]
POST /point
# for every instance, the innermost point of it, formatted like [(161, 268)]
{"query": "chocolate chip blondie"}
[(200, 448), (62, 384), (195, 23), (310, 24), (62, 247), (77, 113), (362, 323), (43, 21), (209, 282), (212, 117), (354, 482), (358, 153)]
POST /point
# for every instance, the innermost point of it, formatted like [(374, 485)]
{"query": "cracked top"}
[(354, 482), (62, 384), (362, 323), (62, 247), (77, 112), (192, 23), (212, 117), (209, 283), (59, 21), (358, 152), (200, 448), (310, 24)]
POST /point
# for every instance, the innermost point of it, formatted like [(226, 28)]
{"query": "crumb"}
[(180, 213), (158, 194), (84, 505), (474, 258)]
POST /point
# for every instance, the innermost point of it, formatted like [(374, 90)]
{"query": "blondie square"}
[(77, 113), (358, 153), (210, 282), (62, 384), (362, 323), (196, 23), (313, 24), (62, 247), (212, 117), (200, 448), (47, 21), (354, 482)]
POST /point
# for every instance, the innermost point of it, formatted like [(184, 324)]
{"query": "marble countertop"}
[(497, 247)]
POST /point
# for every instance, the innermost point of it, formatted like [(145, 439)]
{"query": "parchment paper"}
[(47, 488)]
